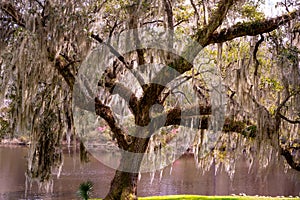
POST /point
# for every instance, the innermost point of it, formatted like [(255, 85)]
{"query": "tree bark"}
[(123, 186), (124, 183)]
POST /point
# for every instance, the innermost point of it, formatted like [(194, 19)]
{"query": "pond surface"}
[(184, 179)]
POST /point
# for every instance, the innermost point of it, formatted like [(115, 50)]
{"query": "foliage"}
[(85, 190), (238, 126), (250, 131), (4, 127), (5, 123), (250, 11)]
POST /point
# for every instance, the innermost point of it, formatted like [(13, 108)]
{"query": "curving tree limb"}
[(107, 114), (250, 28), (290, 160), (216, 19)]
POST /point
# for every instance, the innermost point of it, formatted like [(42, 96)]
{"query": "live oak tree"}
[(43, 44)]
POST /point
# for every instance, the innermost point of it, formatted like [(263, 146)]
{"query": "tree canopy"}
[(46, 45)]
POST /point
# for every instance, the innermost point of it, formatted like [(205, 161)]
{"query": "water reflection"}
[(184, 179)]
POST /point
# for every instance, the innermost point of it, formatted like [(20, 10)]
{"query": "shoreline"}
[(13, 142)]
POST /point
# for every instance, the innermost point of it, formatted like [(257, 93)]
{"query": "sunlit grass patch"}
[(197, 197)]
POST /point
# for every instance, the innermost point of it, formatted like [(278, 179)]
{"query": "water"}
[(184, 179)]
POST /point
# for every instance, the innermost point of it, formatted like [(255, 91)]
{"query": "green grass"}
[(197, 197)]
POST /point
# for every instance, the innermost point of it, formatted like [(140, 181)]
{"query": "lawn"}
[(197, 197)]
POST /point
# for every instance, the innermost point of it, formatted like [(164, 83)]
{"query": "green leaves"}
[(250, 12), (272, 83), (4, 126), (85, 190)]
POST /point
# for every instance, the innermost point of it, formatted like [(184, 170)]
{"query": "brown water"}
[(184, 179)]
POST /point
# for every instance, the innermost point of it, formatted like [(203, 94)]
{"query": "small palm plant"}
[(85, 190)]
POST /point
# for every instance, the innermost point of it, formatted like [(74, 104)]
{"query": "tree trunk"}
[(123, 186), (124, 183)]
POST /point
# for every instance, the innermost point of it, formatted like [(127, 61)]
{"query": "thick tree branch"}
[(282, 104), (196, 11), (120, 58), (179, 64), (112, 31), (284, 151), (290, 160), (40, 4), (183, 63), (112, 49), (204, 12), (106, 113), (127, 95), (62, 65), (87, 102), (200, 118), (250, 28), (287, 98), (118, 88), (287, 119), (168, 8), (153, 90), (170, 23), (154, 21), (180, 22), (13, 12), (206, 35), (216, 19), (176, 115), (218, 15), (256, 65), (134, 12)]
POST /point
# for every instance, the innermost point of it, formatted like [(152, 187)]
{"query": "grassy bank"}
[(197, 197)]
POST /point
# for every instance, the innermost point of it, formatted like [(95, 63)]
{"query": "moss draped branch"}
[(13, 13), (251, 28), (127, 95), (179, 116), (216, 19), (289, 159), (107, 114), (121, 58)]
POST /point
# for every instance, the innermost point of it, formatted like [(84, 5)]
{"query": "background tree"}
[(45, 42)]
